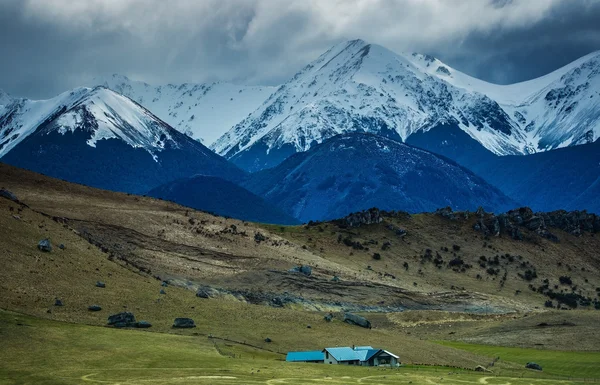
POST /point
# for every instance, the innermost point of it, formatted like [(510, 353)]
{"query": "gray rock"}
[(268, 339), (533, 365), (143, 324), (8, 195), (446, 212), (100, 284), (204, 292), (162, 291), (45, 245), (303, 269), (122, 320), (354, 319), (58, 302), (366, 217), (94, 308), (61, 246), (184, 323), (164, 284)]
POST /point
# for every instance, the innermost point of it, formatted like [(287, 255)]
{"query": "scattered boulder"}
[(303, 269), (100, 284), (45, 245), (335, 278), (205, 292), (164, 284), (480, 368), (162, 291), (328, 317), (142, 324), (184, 323), (268, 340), (8, 195), (122, 320), (533, 365), (61, 246), (354, 319), (365, 217), (446, 212), (94, 308), (308, 327), (58, 302)]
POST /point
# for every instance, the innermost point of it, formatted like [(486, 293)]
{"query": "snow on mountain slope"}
[(100, 138), (357, 86), (556, 110), (202, 111), (103, 112), (363, 87), (4, 99)]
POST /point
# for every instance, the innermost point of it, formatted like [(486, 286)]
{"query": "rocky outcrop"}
[(446, 212), (183, 323), (8, 195), (510, 223), (365, 217), (302, 269), (45, 245), (533, 365), (357, 320), (122, 320)]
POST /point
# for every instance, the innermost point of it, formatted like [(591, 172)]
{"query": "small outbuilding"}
[(314, 356)]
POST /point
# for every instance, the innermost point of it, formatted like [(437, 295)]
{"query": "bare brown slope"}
[(250, 261)]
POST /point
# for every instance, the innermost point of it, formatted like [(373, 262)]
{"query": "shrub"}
[(565, 280), (548, 303), (456, 247), (405, 264), (377, 256), (529, 275)]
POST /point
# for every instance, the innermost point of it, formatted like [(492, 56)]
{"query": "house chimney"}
[(353, 347)]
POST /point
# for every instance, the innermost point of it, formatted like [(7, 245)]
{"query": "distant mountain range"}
[(203, 111), (350, 172), (97, 137), (356, 86), (216, 195), (342, 135)]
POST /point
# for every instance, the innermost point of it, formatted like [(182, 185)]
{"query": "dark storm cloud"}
[(49, 46)]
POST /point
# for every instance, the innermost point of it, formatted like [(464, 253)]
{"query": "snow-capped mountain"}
[(4, 99), (100, 138), (557, 110), (357, 171), (202, 111), (356, 86)]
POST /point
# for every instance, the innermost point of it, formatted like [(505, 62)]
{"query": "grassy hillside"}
[(133, 244), (62, 353)]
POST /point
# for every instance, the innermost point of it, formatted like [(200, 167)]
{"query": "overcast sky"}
[(49, 46)]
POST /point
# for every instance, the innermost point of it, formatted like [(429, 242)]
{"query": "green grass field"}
[(555, 363), (36, 351)]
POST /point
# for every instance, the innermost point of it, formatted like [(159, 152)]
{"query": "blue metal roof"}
[(315, 355), (366, 354), (344, 354)]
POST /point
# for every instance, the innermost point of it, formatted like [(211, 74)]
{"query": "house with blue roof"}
[(357, 355)]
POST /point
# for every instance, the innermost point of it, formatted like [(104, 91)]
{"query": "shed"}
[(314, 356)]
